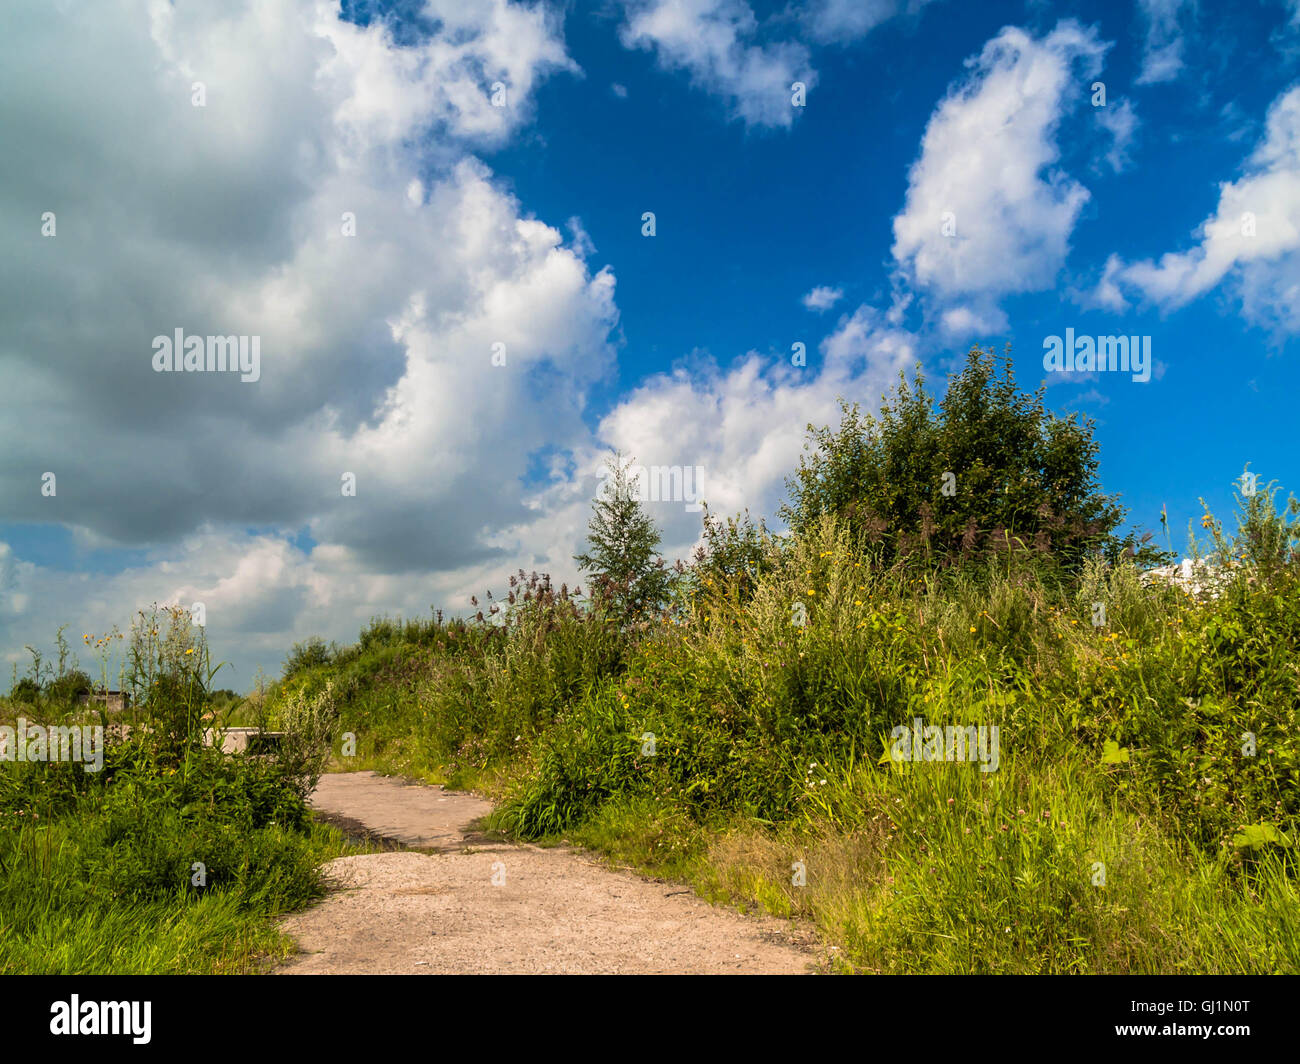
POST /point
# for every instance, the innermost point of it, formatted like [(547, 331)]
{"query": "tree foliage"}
[(988, 469), (629, 582), (732, 554)]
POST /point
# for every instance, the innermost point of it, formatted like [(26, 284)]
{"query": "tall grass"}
[(1142, 817), (172, 857)]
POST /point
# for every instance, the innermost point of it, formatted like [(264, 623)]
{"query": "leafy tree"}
[(988, 469), (308, 654), (67, 689), (628, 580), (732, 555)]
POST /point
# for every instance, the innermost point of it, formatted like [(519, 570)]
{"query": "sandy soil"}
[(464, 903)]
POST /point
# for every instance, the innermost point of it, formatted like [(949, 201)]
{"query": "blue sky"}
[(748, 216), (521, 225)]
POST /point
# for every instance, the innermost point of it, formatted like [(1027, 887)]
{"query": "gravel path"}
[(463, 903)]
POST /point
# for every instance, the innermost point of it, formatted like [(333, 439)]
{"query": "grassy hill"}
[(1140, 817)]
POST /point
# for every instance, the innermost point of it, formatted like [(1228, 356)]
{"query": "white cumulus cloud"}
[(377, 349), (988, 211), (716, 43), (1252, 238)]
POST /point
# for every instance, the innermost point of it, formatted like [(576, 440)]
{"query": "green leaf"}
[(1257, 836), (1113, 753)]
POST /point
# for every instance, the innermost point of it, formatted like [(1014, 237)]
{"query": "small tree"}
[(628, 579)]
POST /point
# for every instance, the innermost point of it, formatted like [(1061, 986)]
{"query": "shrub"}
[(308, 654)]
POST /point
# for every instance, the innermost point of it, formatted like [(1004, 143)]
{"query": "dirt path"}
[(463, 903)]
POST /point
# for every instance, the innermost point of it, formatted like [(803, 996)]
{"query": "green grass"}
[(1143, 816), (1024, 872), (81, 895), (172, 858), (55, 918), (1123, 746)]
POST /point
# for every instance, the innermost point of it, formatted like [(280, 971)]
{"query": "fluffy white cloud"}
[(1162, 55), (714, 41), (376, 348), (1254, 235), (987, 211), (823, 297), (745, 426), (260, 594)]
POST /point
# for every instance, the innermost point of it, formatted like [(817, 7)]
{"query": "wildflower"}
[(972, 628)]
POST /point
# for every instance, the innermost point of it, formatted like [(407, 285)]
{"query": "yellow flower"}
[(190, 651), (972, 628), (811, 591)]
